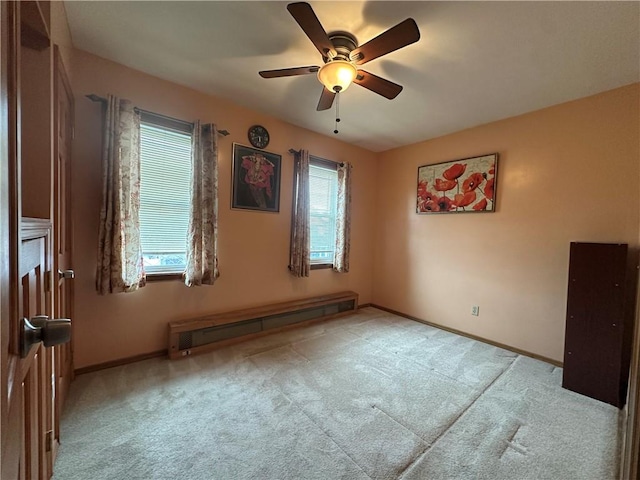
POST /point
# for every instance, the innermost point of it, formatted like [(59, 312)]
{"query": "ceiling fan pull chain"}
[(337, 112)]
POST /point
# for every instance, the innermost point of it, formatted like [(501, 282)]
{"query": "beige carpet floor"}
[(366, 396)]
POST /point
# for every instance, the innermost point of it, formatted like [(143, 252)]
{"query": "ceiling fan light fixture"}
[(337, 75)]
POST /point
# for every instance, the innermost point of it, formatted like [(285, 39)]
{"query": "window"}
[(165, 175), (323, 196)]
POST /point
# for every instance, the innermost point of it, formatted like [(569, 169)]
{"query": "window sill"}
[(321, 266), (159, 277)]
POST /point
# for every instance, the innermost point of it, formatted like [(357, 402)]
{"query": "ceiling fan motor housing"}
[(344, 43)]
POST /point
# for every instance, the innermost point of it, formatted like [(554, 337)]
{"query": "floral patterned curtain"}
[(202, 237), (343, 219), (120, 267), (299, 262)]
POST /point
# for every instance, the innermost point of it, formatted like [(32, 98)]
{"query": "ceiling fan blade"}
[(306, 18), (377, 84), (326, 100), (403, 34), (288, 72)]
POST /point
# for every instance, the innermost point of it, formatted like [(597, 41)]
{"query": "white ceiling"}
[(476, 62)]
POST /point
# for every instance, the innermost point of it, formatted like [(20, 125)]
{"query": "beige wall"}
[(566, 173), (60, 33), (253, 246)]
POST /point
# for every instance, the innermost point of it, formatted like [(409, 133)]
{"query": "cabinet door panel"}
[(595, 327)]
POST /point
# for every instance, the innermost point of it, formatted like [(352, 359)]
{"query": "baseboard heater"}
[(203, 334)]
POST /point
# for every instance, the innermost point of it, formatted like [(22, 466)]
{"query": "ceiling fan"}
[(342, 56)]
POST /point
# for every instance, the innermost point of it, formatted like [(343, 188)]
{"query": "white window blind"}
[(323, 195), (165, 171)]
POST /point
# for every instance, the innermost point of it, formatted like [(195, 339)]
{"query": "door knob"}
[(41, 328), (66, 274)]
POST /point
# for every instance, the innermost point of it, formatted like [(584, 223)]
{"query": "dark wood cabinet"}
[(600, 320)]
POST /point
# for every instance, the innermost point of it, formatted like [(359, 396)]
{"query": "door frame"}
[(630, 458), (9, 225), (63, 354)]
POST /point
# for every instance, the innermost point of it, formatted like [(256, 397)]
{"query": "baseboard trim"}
[(120, 362), (469, 335), (364, 305)]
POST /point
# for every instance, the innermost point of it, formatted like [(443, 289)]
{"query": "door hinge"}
[(48, 440)]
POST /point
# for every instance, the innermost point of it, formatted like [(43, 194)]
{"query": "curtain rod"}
[(95, 98), (341, 164)]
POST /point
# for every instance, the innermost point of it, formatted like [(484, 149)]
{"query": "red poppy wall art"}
[(459, 186)]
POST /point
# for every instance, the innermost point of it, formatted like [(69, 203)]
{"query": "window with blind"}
[(165, 171), (323, 195)]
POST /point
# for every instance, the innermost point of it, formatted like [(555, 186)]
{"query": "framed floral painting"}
[(256, 179), (460, 186)]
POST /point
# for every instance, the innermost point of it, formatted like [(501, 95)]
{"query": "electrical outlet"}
[(475, 310)]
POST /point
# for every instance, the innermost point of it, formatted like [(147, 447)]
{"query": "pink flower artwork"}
[(467, 185)]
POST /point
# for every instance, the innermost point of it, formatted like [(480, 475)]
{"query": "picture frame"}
[(255, 179), (458, 186)]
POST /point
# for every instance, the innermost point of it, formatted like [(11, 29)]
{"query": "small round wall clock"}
[(258, 136)]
